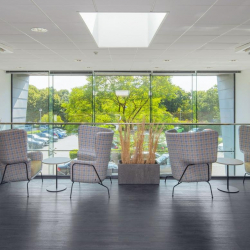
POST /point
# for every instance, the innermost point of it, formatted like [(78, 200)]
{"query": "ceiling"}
[(196, 35)]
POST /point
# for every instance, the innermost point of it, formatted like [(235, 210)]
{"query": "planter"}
[(138, 174)]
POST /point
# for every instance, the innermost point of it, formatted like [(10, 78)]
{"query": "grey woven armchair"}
[(191, 155), (244, 138), (15, 163), (93, 156)]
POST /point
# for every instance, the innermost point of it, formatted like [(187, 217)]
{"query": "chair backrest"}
[(87, 136), (13, 146), (244, 139), (191, 148)]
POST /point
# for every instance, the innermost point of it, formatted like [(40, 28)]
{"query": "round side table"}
[(56, 161), (227, 162)]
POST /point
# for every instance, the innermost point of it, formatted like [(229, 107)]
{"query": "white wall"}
[(242, 109), (5, 96)]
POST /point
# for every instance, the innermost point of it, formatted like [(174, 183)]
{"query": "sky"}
[(69, 82)]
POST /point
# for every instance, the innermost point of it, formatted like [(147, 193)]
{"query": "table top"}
[(56, 160), (229, 161)]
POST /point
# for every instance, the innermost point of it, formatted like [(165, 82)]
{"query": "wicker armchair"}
[(244, 137), (191, 155), (93, 156), (15, 163)]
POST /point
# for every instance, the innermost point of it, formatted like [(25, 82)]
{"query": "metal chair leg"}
[(244, 178), (210, 189), (166, 178), (42, 177), (110, 179), (174, 187), (28, 189), (105, 187), (71, 189)]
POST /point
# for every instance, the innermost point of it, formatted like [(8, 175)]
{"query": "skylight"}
[(123, 30)]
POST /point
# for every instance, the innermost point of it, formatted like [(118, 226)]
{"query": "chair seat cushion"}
[(86, 155), (247, 167), (35, 167)]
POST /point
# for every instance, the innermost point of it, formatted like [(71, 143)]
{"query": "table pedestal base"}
[(230, 189), (53, 188)]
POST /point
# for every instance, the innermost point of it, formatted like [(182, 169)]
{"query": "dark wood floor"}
[(135, 217)]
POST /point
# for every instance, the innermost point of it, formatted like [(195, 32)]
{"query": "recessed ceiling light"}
[(41, 30), (78, 60), (123, 30)]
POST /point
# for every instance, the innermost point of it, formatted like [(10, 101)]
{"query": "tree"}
[(39, 99), (111, 108), (167, 103), (45, 118), (208, 105)]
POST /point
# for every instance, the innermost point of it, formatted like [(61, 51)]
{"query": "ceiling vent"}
[(5, 49), (243, 48)]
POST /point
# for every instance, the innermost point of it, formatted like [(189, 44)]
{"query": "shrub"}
[(34, 132), (73, 154)]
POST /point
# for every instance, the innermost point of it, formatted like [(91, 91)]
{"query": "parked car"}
[(46, 135), (114, 145), (193, 130), (63, 132), (64, 169), (44, 127), (161, 159), (34, 144), (179, 129), (60, 134), (55, 132), (35, 137)]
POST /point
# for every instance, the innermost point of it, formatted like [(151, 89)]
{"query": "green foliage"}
[(168, 103), (73, 154), (208, 105), (34, 132), (45, 118), (38, 99)]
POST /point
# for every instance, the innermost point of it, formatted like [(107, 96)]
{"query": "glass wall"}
[(102, 98)]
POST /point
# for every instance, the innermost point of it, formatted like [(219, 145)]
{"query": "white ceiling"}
[(196, 35)]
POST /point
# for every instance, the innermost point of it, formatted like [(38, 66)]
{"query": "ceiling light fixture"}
[(40, 30), (243, 48), (5, 49), (123, 30)]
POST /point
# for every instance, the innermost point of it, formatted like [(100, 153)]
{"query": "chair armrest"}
[(88, 163), (35, 156)]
